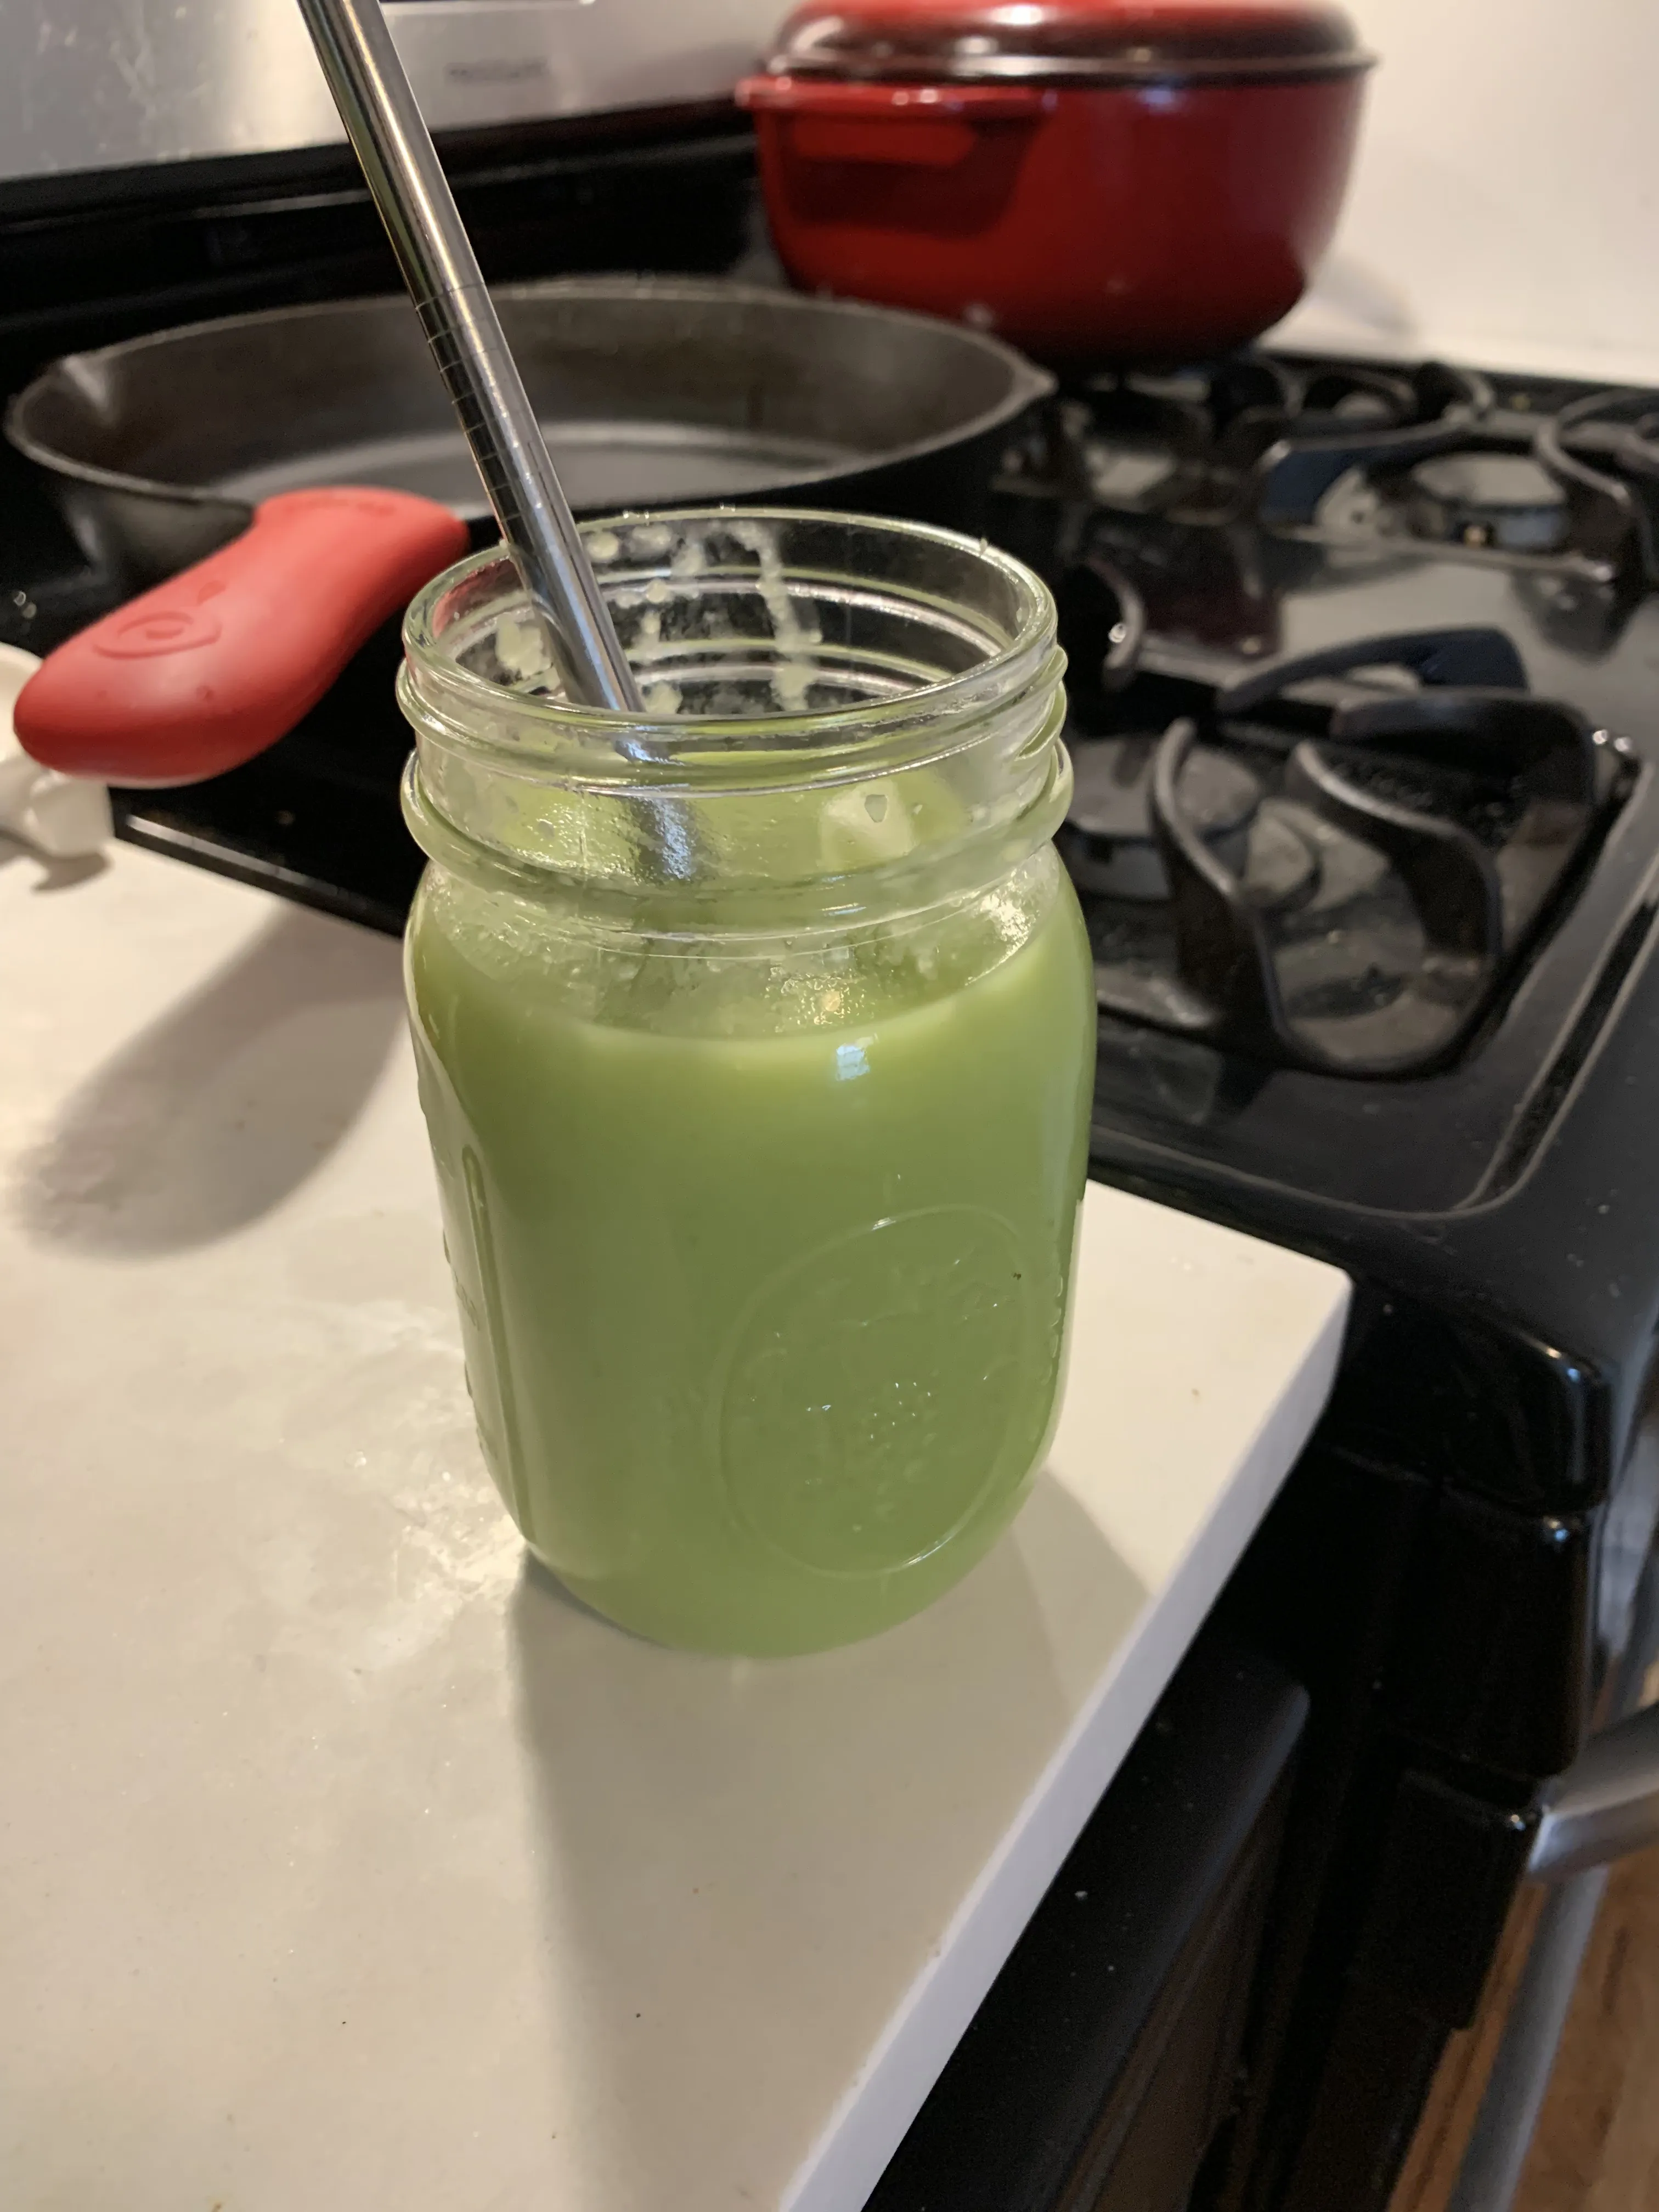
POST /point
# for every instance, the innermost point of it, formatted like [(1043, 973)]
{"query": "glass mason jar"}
[(755, 1044)]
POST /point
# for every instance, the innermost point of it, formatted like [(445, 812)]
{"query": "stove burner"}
[(1480, 499), (1442, 409), (1110, 845), (1361, 456), (1349, 905), (1603, 452), (1260, 436)]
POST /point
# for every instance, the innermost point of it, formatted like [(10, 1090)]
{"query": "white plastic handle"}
[(63, 816)]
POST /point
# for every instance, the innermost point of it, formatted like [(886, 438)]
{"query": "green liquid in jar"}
[(762, 1263)]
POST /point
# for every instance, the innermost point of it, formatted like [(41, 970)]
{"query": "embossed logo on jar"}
[(871, 1387)]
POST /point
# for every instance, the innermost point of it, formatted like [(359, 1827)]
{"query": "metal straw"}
[(383, 121)]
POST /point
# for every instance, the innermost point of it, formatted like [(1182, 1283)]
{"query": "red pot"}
[(1108, 180)]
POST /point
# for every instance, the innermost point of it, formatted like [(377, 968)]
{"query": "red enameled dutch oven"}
[(1147, 180)]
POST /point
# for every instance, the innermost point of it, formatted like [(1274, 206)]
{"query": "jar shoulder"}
[(470, 944)]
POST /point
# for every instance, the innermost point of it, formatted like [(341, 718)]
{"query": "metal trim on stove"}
[(1605, 1806)]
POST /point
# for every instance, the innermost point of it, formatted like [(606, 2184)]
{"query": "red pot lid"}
[(1068, 41)]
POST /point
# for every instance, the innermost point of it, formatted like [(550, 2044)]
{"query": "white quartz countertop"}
[(343, 1863)]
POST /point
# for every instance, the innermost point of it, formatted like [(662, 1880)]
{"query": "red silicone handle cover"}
[(220, 661)]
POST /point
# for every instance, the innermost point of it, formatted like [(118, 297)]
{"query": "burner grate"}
[(1432, 456), (1250, 436), (1350, 904), (1603, 452)]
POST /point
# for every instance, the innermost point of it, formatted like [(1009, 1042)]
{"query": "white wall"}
[(1505, 208)]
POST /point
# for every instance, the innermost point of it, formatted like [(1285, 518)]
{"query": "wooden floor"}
[(1597, 2145)]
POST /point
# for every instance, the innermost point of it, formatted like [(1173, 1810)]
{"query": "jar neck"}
[(603, 855), (885, 725)]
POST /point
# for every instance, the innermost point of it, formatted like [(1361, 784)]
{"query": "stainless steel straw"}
[(383, 123)]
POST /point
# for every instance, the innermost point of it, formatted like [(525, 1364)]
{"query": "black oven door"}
[(1101, 2071)]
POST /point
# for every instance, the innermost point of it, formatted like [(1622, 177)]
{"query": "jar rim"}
[(1032, 640)]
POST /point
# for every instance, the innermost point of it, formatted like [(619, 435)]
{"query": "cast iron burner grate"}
[(1252, 435), (1359, 455), (1603, 452), (1355, 903)]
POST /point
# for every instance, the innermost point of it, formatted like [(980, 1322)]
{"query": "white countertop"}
[(344, 1863)]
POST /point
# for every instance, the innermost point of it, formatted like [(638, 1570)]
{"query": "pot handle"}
[(920, 125), (212, 667)]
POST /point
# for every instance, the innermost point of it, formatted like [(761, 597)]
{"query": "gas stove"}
[(1365, 826)]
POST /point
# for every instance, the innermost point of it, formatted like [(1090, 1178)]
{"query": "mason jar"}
[(755, 1043)]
